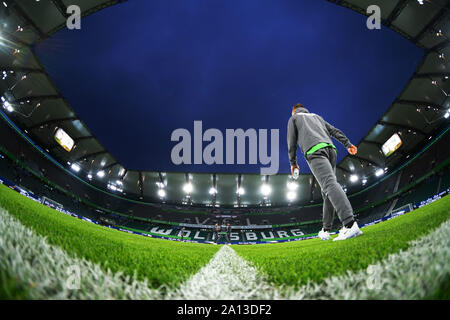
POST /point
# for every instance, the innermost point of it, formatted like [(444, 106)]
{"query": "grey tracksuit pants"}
[(323, 166)]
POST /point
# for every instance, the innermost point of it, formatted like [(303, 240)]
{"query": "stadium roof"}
[(417, 114)]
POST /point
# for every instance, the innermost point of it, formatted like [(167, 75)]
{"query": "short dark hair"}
[(298, 105)]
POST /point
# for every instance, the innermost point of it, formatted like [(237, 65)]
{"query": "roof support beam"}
[(110, 165), (53, 146), (22, 69), (28, 20), (62, 8), (400, 152), (160, 177), (83, 138), (343, 169), (440, 46), (365, 160), (124, 174), (430, 24), (432, 75), (39, 98), (15, 40), (372, 142), (420, 103), (90, 155), (214, 185), (312, 185), (401, 126), (238, 186), (49, 122), (141, 184), (396, 12)]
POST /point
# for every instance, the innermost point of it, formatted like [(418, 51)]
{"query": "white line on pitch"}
[(414, 273), (226, 277)]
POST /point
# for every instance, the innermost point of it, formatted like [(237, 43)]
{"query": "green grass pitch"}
[(164, 262), (294, 263), (159, 261)]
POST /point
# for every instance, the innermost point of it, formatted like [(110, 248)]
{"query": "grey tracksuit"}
[(307, 130)]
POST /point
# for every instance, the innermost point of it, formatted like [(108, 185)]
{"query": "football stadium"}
[(78, 222)]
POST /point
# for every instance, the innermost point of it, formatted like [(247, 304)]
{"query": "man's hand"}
[(293, 168), (353, 150)]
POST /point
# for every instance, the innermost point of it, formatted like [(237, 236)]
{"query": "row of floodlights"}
[(188, 187)]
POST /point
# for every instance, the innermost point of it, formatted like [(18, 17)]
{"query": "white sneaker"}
[(324, 235), (347, 233)]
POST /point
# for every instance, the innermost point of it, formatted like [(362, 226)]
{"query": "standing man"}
[(182, 234), (228, 235), (313, 135), (216, 233)]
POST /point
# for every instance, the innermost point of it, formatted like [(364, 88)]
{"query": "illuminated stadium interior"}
[(88, 181), (76, 223)]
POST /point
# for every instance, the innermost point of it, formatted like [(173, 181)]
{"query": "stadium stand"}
[(28, 168)]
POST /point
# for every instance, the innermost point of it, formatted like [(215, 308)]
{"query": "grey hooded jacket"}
[(308, 129)]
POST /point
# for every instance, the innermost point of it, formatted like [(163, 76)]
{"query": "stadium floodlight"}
[(265, 189), (292, 186), (114, 187), (447, 114), (291, 195), (240, 191), (8, 107), (75, 167), (212, 191), (101, 174), (187, 188), (160, 185), (119, 182), (89, 176), (162, 193), (354, 178), (420, 2), (379, 172), (364, 181)]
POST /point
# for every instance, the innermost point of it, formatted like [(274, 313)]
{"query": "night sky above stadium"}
[(137, 71)]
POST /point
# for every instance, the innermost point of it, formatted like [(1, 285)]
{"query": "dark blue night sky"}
[(139, 70)]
